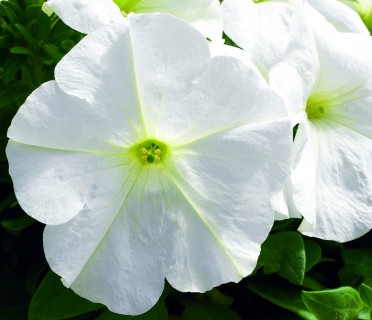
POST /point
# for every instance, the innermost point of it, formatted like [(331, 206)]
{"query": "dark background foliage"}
[(296, 277)]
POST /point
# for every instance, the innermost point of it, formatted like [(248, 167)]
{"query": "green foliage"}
[(358, 266), (16, 226), (208, 311), (342, 303), (313, 253), (284, 253), (53, 301), (284, 295), (366, 295)]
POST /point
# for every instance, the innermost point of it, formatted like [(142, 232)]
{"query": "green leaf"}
[(361, 256), (55, 52), (34, 274), (5, 41), (26, 33), (284, 253), (12, 11), (217, 297), (10, 68), (284, 295), (351, 274), (7, 202), (16, 226), (313, 253), (42, 27), (366, 295), (67, 45), (157, 312), (21, 50), (365, 314), (208, 311), (313, 284), (342, 303), (53, 301), (14, 7), (12, 92)]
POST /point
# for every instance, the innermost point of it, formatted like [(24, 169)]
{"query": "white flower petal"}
[(53, 119), (89, 15), (363, 8), (260, 28), (204, 15), (295, 76), (234, 173), (114, 254), (221, 49), (343, 187), (53, 186), (300, 189), (235, 99), (107, 78), (166, 63), (86, 16), (341, 16)]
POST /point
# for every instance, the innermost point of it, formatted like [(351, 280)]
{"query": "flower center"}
[(150, 151), (126, 6), (314, 111)]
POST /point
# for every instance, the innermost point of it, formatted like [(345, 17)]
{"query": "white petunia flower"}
[(340, 15), (363, 8), (89, 15), (262, 27), (326, 80), (148, 159)]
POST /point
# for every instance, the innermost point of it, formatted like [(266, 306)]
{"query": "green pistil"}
[(314, 111), (150, 151)]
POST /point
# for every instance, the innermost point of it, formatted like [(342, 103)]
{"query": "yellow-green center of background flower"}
[(127, 6)]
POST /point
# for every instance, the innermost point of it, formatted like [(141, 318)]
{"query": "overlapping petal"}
[(204, 15), (363, 8), (263, 27), (340, 15), (343, 185), (260, 28), (87, 16)]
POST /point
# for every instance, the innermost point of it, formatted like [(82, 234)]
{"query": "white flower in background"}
[(262, 27), (326, 80), (363, 8), (89, 15), (340, 15), (148, 159)]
